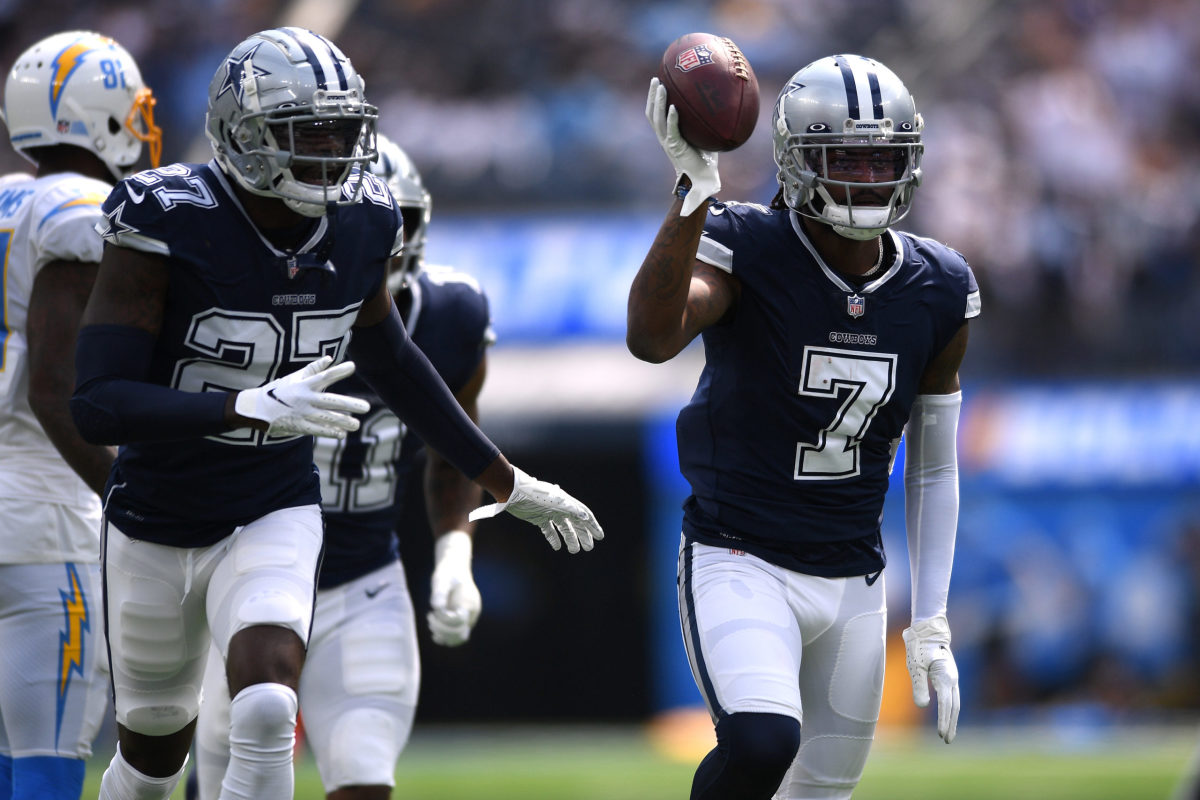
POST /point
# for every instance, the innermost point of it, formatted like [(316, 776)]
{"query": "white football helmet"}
[(841, 118), (395, 167), (287, 118), (83, 89)]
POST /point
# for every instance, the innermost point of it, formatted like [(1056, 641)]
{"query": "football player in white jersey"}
[(76, 107), (361, 678)]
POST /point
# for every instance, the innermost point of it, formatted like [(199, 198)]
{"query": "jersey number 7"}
[(864, 382)]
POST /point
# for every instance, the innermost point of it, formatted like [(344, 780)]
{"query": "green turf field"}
[(621, 764)]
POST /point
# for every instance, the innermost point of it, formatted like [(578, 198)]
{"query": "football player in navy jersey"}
[(228, 295), (827, 335), (359, 686), (76, 107)]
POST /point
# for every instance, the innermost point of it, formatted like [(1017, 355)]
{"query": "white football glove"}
[(297, 404), (454, 601), (699, 165), (927, 653), (561, 517)]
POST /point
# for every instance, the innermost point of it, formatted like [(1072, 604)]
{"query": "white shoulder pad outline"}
[(714, 253), (117, 232), (442, 275), (974, 305), (759, 207)]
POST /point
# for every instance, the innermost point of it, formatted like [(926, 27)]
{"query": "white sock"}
[(262, 735), (123, 782)]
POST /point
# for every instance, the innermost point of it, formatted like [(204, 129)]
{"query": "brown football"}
[(712, 86)]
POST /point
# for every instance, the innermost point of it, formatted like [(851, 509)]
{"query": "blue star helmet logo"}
[(235, 70)]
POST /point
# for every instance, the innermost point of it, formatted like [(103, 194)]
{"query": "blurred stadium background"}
[(1063, 152)]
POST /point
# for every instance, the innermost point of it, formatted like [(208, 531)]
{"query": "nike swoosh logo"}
[(377, 589), (136, 197), (271, 394)]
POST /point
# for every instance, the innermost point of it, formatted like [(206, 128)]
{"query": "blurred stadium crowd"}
[(1062, 157), (1063, 137)]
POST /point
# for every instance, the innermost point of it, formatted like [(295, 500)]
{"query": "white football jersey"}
[(41, 220)]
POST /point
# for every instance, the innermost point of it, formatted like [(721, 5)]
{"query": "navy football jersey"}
[(789, 438), (363, 476), (239, 313)]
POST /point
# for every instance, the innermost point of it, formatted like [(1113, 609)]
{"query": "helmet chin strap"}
[(857, 234), (840, 217), (305, 208)]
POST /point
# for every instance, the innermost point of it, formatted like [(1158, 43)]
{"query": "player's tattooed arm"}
[(674, 297), (60, 292), (941, 376)]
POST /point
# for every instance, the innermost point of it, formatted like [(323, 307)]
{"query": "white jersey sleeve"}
[(42, 220), (66, 220)]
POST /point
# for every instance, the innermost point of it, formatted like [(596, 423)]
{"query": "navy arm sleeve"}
[(391, 364), (113, 403)]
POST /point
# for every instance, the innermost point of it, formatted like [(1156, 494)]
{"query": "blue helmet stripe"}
[(851, 89), (315, 63), (343, 84), (341, 73), (305, 40), (325, 57), (876, 94)]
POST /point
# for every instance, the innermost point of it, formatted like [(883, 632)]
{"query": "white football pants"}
[(761, 638), (358, 689), (162, 602)]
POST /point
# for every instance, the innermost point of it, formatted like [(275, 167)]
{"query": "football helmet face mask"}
[(287, 119), (82, 89), (847, 139), (397, 170)]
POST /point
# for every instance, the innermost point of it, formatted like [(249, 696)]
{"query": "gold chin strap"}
[(140, 123)]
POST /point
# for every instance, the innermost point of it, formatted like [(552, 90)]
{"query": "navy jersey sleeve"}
[(974, 303), (455, 328), (951, 289), (724, 243), (383, 211), (136, 211)]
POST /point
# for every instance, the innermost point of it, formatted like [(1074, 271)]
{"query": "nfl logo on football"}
[(694, 57), (855, 305)]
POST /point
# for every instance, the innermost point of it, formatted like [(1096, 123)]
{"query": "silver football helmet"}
[(847, 139), (395, 167), (287, 118), (83, 89)]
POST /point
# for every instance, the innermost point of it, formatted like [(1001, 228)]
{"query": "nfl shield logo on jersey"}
[(855, 305)]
